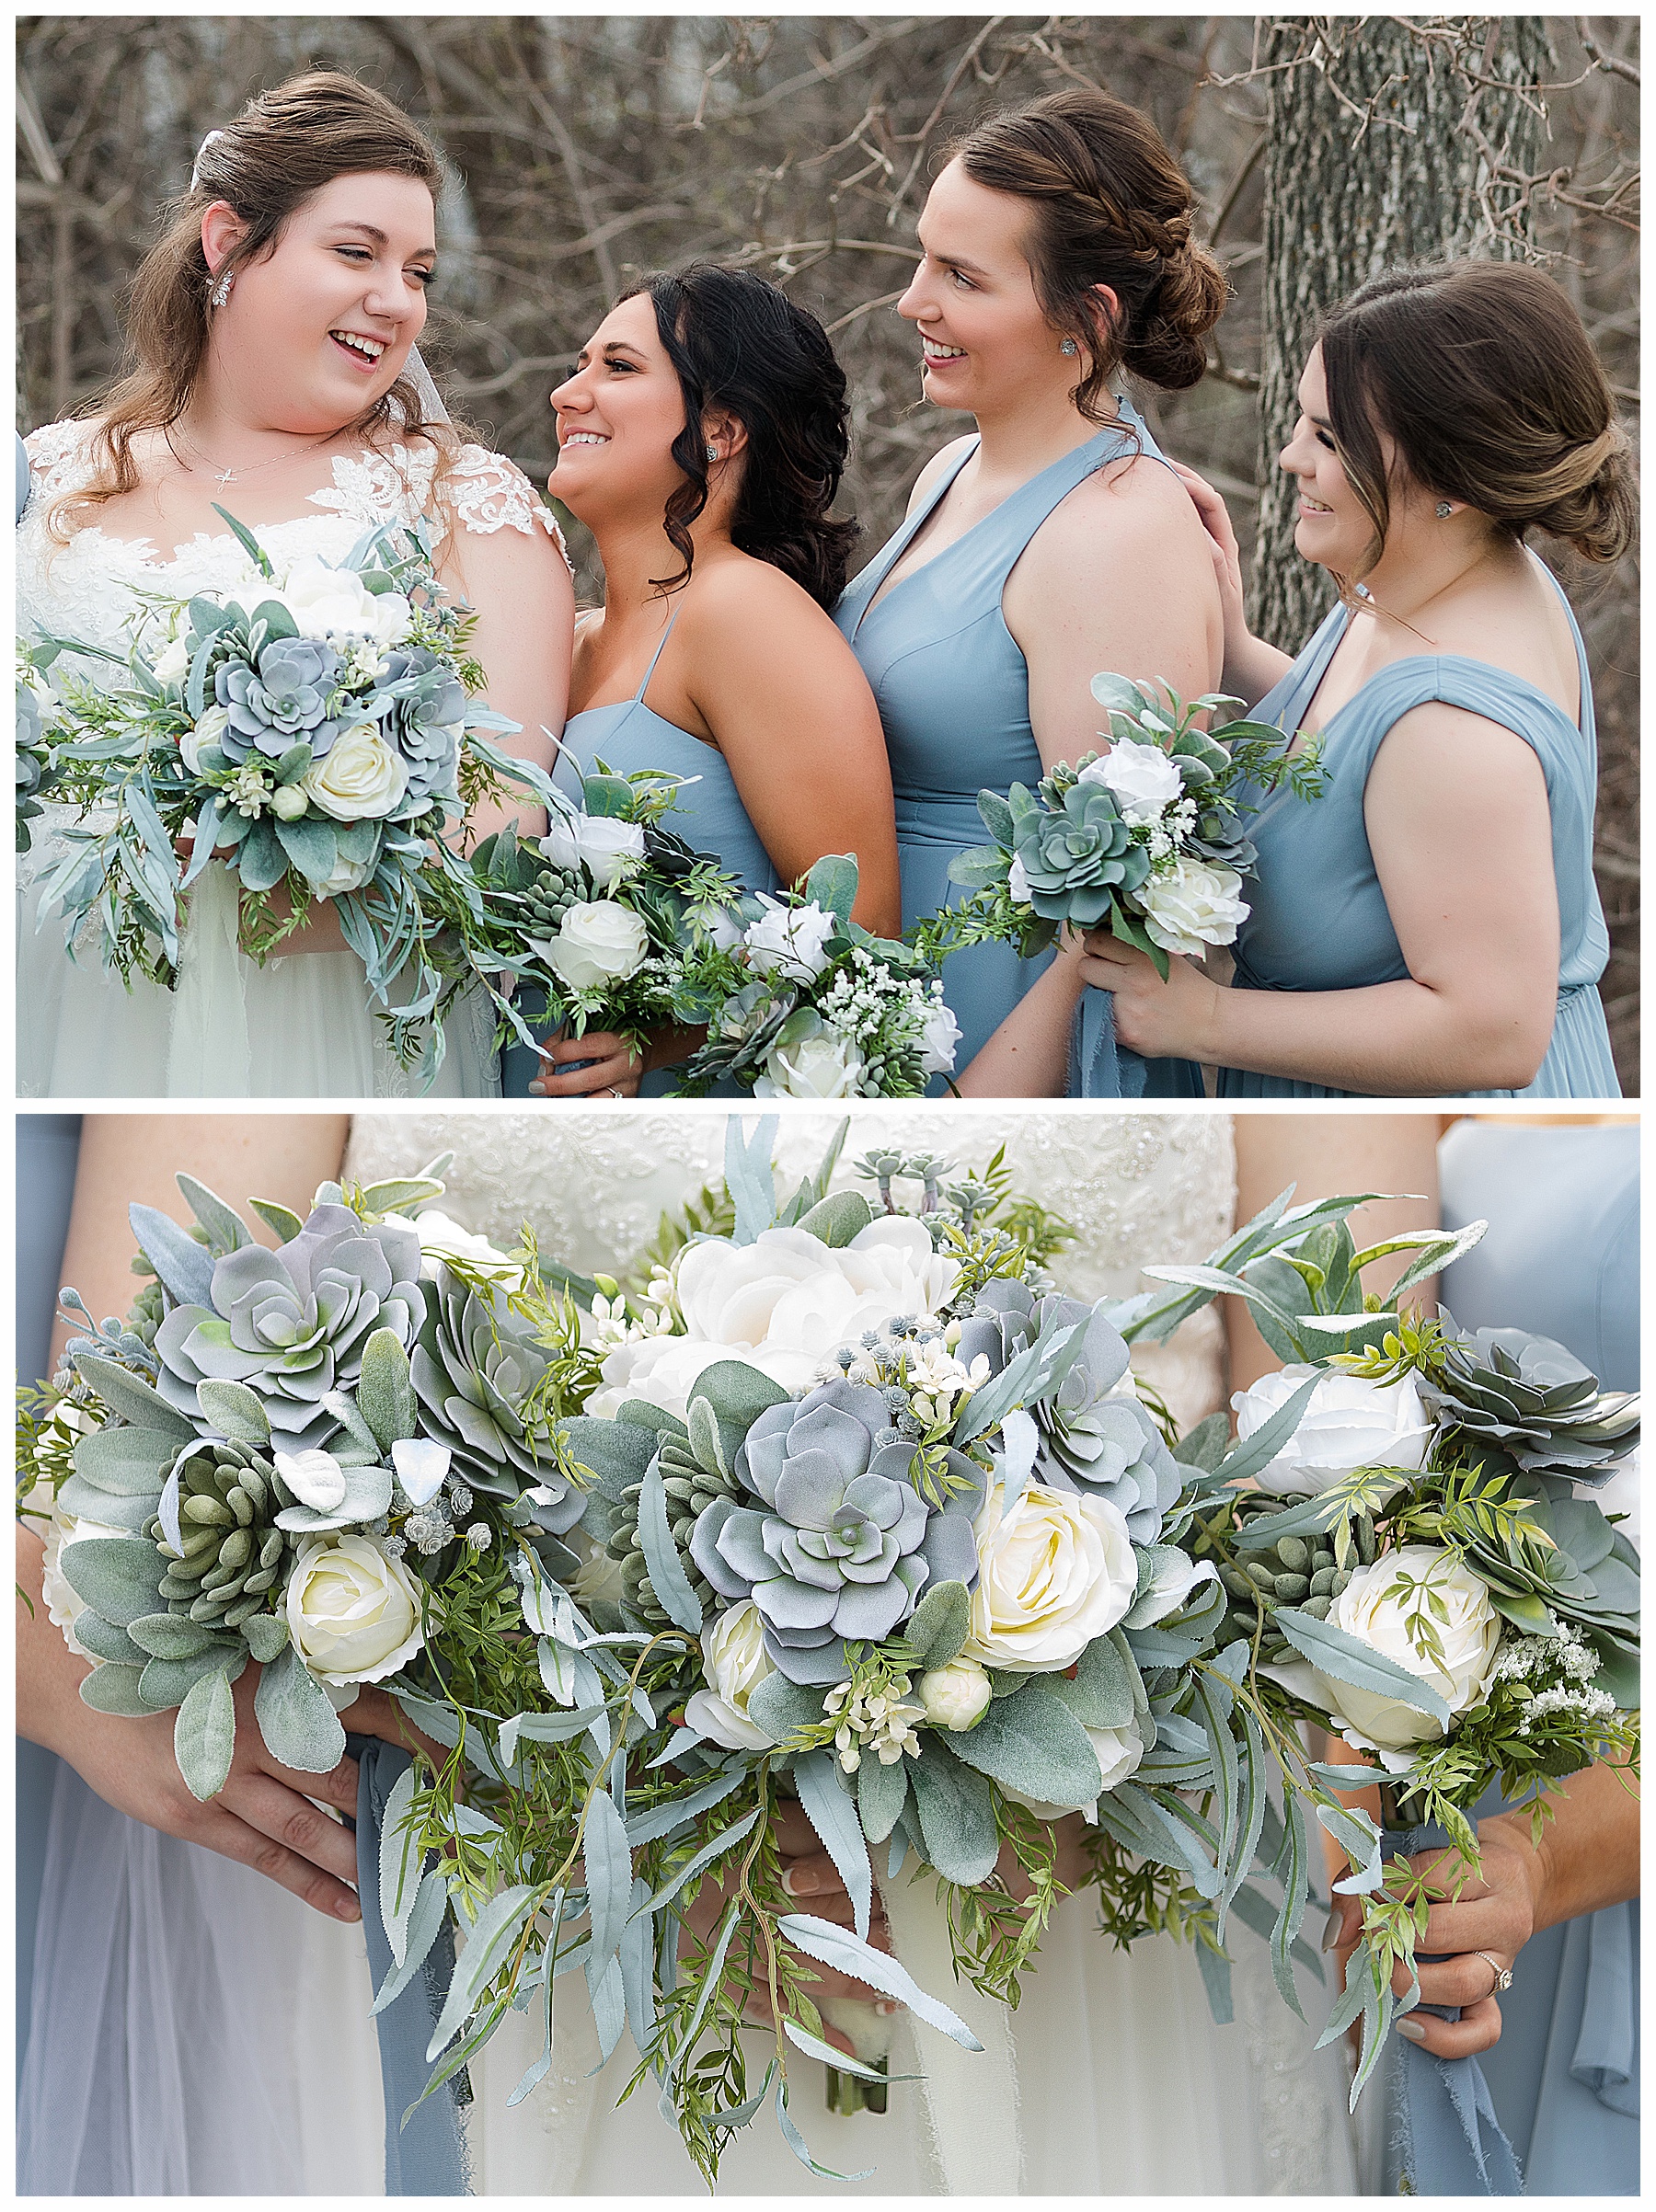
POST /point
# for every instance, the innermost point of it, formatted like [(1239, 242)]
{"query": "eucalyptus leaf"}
[(427, 1912), (837, 1947), (1332, 1652), (833, 1814), (491, 1936)]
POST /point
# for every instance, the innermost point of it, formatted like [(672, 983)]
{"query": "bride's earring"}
[(1445, 510), (712, 450), (221, 290), (1069, 346)]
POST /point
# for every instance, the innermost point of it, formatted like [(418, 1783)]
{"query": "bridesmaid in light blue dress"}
[(1050, 546), (701, 440), (1427, 924)]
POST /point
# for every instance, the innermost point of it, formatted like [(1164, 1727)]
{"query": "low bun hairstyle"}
[(284, 146), (740, 345), (1485, 381), (1110, 206)]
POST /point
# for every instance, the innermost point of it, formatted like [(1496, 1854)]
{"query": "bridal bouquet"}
[(841, 1503), (315, 730), (36, 724), (1146, 841), (598, 918), (800, 1002)]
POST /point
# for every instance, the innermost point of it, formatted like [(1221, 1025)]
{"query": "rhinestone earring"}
[(1069, 346), (1445, 510), (712, 451), (221, 290)]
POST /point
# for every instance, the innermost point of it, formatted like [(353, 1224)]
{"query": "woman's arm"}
[(524, 598), (1457, 818), (1028, 1057), (1117, 578), (789, 709)]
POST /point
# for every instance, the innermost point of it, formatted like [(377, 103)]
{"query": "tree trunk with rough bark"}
[(1388, 141)]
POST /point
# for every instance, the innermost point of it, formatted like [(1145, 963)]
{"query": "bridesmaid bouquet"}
[(800, 1002), (593, 925), (316, 731), (841, 1504)]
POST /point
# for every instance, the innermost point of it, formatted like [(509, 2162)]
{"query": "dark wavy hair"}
[(742, 347)]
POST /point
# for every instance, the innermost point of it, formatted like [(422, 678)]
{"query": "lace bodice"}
[(594, 1181), (87, 588)]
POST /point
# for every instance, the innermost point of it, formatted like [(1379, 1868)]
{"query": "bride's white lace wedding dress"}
[(301, 1025), (1124, 2085)]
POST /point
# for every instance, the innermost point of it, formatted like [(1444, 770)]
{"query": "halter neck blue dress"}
[(952, 687), (627, 736), (1318, 919)]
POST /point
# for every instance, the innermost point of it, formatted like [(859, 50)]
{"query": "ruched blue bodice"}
[(952, 687), (627, 736), (1320, 920)]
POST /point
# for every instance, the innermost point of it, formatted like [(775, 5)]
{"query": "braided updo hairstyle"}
[(284, 146), (1485, 381), (741, 347), (1110, 205)]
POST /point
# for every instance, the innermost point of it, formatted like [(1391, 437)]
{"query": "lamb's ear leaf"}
[(235, 1411), (282, 1219), (205, 1735), (225, 1229), (185, 1267), (128, 1395), (298, 1723)]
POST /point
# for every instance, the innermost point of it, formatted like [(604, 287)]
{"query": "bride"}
[(272, 329)]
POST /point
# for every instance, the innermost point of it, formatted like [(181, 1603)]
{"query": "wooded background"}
[(584, 150)]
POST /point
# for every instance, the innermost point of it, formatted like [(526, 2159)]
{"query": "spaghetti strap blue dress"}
[(952, 687), (1318, 919), (627, 736)]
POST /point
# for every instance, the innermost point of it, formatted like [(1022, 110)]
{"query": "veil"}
[(424, 382)]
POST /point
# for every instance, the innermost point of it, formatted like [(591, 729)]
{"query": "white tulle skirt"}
[(197, 2030), (297, 1028)]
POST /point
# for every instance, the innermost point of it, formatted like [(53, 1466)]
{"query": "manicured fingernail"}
[(799, 1881), (1412, 2029), (887, 2006), (1330, 1934)]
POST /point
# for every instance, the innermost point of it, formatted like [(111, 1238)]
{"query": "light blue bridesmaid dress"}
[(952, 687), (1319, 921), (627, 735), (1553, 2109)]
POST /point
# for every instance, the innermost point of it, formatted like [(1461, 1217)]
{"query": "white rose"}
[(352, 1614), (1350, 1422), (735, 1662), (824, 1066), (1142, 777), (954, 1696), (59, 1530), (1468, 1629), (172, 665), (789, 940), (209, 730), (1053, 1574), (607, 848), (441, 1239), (600, 943), (289, 803), (359, 778), (782, 1304), (345, 875), (940, 1034), (1018, 881), (335, 603), (1193, 905)]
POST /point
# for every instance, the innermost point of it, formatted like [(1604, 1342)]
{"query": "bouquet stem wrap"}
[(969, 2097), (427, 2157), (1440, 2119), (1099, 1065)]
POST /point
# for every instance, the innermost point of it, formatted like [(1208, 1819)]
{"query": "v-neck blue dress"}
[(952, 687), (627, 735), (1318, 919)]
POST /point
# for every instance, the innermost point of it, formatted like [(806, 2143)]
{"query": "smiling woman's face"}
[(618, 418), (319, 328), (1333, 527)]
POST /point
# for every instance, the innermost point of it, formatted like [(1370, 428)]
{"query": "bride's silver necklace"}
[(235, 475)]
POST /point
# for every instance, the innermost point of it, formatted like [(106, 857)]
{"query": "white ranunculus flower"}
[(352, 1613), (954, 1696), (1053, 1572), (607, 848), (335, 603), (212, 726), (1377, 1613), (735, 1662), (172, 665), (359, 778), (1143, 779), (824, 1066), (600, 943), (939, 1036), (783, 1303), (1349, 1423), (789, 940), (1192, 906)]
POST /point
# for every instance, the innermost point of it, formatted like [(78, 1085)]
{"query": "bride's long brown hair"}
[(285, 145)]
